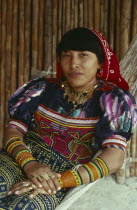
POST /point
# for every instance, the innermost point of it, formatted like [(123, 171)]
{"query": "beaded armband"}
[(12, 143), (96, 170), (22, 156)]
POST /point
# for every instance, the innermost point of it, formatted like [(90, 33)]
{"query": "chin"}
[(76, 84)]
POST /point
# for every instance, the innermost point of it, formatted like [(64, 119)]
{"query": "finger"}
[(36, 181), (56, 183), (37, 191), (20, 183), (52, 182), (19, 191), (57, 175), (25, 188), (48, 188), (54, 176), (48, 180), (18, 186), (44, 181)]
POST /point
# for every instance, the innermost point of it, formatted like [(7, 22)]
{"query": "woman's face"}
[(80, 69)]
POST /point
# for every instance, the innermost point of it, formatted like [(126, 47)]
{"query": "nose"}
[(74, 62)]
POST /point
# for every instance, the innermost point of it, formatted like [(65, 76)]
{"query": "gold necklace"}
[(77, 98)]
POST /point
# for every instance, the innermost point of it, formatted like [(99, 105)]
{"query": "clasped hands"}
[(40, 180)]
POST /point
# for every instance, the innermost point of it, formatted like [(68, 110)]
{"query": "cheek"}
[(91, 68), (64, 70), (65, 66)]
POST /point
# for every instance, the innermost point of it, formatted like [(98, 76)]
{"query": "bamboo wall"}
[(30, 30)]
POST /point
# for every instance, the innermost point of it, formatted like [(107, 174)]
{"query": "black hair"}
[(81, 39)]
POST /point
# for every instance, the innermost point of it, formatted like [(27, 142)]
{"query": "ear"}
[(100, 65)]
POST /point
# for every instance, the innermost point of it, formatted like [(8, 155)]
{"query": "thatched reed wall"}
[(30, 30)]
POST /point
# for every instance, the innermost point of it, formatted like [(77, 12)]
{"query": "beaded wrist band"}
[(70, 178), (22, 156), (96, 169)]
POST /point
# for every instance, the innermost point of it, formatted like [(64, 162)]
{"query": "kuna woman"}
[(57, 127)]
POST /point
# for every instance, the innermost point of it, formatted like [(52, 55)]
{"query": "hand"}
[(26, 186), (42, 176)]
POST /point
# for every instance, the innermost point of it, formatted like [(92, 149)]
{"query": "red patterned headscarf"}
[(110, 70)]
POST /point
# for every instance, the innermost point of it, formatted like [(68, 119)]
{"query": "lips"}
[(75, 74)]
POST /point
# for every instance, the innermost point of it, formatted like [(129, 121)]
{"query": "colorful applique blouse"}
[(108, 119)]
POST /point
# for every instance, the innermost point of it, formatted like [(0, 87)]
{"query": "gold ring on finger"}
[(34, 186), (51, 174), (31, 188), (45, 176), (38, 190), (41, 191), (25, 184)]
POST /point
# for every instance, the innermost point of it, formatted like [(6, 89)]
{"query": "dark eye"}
[(84, 54), (66, 54)]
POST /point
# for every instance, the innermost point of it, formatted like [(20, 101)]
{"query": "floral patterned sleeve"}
[(23, 103), (119, 119)]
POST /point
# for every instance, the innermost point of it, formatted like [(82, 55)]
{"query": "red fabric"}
[(110, 70), (60, 127)]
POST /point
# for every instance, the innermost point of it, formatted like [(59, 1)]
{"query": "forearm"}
[(109, 161), (12, 132), (15, 147), (114, 158)]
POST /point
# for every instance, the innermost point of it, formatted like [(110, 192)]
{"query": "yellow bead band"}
[(12, 139), (92, 170), (13, 145), (23, 156), (103, 166), (22, 153), (96, 169), (27, 160)]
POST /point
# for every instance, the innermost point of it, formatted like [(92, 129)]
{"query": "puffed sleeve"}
[(24, 102), (119, 119)]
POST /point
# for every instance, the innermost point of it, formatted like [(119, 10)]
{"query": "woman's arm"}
[(11, 133), (110, 160), (113, 157), (15, 147)]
